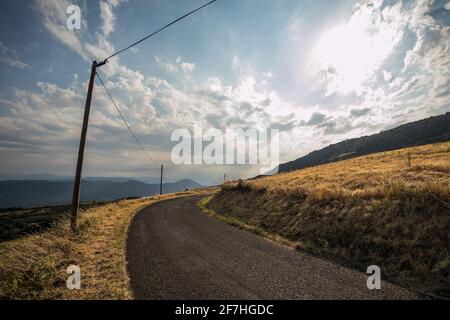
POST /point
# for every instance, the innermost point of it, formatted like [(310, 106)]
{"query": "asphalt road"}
[(174, 251)]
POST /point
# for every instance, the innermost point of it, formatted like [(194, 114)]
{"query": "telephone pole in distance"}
[(161, 182)]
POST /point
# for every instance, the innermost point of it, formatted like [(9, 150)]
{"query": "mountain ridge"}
[(56, 177), (421, 132), (34, 193)]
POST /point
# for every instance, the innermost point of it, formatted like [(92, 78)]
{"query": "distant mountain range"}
[(33, 193), (54, 177), (434, 129)]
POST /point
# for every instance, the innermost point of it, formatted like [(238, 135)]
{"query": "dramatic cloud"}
[(351, 53), (386, 64), (393, 57)]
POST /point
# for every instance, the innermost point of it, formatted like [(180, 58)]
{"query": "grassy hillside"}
[(34, 266), (422, 132), (390, 209)]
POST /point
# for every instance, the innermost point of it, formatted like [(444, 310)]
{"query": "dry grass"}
[(203, 206), (391, 209), (34, 267)]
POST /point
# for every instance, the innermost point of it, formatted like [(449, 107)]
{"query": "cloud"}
[(152, 106), (359, 112), (10, 58), (43, 121), (108, 18), (47, 123), (107, 15), (425, 77), (387, 76), (352, 52), (53, 14), (316, 119), (176, 66), (406, 79)]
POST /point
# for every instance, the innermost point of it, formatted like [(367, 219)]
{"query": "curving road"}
[(174, 251)]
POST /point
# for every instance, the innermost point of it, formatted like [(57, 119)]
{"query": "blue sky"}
[(321, 71)]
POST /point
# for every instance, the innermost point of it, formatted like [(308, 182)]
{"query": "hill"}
[(431, 130), (33, 193), (390, 209)]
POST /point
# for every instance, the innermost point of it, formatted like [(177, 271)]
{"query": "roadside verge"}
[(35, 266)]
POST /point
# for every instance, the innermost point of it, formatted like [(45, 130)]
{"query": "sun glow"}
[(352, 52)]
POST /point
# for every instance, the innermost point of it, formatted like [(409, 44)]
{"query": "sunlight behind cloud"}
[(352, 52)]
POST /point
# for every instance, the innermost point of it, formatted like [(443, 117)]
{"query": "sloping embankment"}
[(380, 210)]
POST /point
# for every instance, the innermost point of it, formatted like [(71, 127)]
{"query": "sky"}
[(319, 71)]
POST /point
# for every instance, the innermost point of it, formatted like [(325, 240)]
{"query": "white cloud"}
[(107, 16), (387, 76), (54, 17), (176, 66), (187, 67)]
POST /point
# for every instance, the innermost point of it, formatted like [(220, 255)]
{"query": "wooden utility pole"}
[(77, 182), (161, 182)]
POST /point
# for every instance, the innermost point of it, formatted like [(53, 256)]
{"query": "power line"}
[(87, 108), (125, 121), (159, 30), (129, 47)]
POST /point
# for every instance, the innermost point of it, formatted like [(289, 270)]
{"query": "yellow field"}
[(390, 209)]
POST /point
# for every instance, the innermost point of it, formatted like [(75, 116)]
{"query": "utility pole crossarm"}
[(99, 64)]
